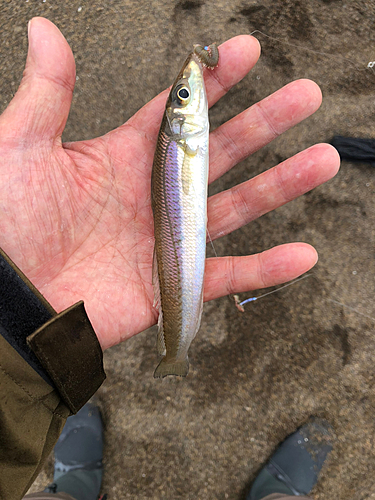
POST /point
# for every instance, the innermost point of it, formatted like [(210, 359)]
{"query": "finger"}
[(260, 124), (237, 56), (226, 275), (245, 202), (40, 108)]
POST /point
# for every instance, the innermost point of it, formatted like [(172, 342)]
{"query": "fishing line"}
[(351, 308), (212, 243), (240, 305), (370, 66)]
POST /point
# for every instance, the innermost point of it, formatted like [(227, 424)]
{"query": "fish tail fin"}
[(172, 367)]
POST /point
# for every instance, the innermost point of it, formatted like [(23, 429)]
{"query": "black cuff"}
[(62, 348)]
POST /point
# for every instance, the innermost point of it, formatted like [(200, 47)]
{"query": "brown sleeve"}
[(37, 395), (71, 354), (31, 418)]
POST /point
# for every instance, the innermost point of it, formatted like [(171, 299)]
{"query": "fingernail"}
[(31, 51)]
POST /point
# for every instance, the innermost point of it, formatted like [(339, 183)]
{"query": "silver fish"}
[(179, 204)]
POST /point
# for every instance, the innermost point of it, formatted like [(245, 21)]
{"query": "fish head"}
[(186, 109)]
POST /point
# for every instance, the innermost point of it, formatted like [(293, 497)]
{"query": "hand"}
[(76, 217)]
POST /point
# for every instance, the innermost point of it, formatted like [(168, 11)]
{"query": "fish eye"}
[(182, 95)]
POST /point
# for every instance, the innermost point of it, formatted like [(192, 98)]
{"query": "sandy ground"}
[(255, 376)]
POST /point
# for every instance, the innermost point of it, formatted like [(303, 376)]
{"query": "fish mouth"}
[(191, 65)]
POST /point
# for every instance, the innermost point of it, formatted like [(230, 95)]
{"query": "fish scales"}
[(179, 203)]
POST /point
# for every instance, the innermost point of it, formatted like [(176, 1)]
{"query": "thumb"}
[(40, 108)]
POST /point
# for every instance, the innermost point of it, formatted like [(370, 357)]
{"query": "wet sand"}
[(255, 376)]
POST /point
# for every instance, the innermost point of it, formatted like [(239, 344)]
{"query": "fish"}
[(179, 203)]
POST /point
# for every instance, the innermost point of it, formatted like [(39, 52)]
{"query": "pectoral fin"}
[(186, 167)]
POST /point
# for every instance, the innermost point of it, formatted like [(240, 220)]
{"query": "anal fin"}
[(155, 282), (160, 340), (157, 304)]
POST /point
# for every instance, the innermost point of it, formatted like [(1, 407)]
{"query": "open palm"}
[(77, 219)]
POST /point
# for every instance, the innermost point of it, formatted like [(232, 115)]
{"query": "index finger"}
[(237, 57)]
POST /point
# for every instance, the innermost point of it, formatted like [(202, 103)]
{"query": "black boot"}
[(294, 467)]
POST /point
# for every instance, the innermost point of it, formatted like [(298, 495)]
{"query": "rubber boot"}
[(78, 456), (294, 467)]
